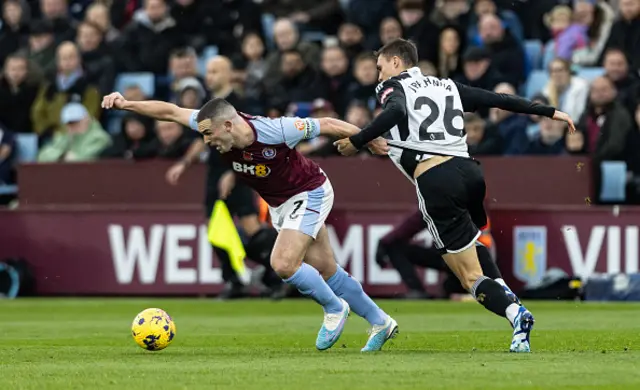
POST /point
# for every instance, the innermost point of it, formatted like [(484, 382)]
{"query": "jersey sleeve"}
[(390, 90), (296, 129), (475, 98), (193, 121), (394, 109)]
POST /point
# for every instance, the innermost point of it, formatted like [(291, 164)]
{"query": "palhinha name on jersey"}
[(417, 84)]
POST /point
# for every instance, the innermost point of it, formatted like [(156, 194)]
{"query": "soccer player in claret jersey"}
[(423, 124), (261, 151)]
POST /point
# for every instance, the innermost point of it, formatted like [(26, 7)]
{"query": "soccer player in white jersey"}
[(261, 152), (422, 118)]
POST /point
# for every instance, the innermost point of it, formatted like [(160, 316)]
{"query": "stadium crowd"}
[(313, 57)]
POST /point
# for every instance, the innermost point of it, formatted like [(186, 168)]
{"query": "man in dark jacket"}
[(17, 94), (148, 40), (625, 33), (506, 53), (483, 139), (97, 60)]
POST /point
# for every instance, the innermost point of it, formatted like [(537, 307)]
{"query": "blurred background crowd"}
[(313, 58)]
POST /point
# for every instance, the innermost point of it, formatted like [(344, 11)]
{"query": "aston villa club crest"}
[(530, 253), (247, 156), (268, 153)]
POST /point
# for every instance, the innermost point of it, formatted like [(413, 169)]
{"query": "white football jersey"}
[(435, 118)]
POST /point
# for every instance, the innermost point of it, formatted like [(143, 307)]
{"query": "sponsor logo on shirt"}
[(306, 125), (268, 153), (300, 124), (385, 94), (259, 170), (247, 156)]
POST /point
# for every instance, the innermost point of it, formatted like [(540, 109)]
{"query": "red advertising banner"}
[(165, 252), (581, 241)]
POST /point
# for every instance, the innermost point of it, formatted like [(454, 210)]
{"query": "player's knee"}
[(284, 264)]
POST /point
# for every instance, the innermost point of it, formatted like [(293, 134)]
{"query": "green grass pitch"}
[(87, 344)]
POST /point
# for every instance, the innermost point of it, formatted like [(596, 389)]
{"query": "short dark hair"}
[(212, 109), (365, 56), (402, 48), (183, 52)]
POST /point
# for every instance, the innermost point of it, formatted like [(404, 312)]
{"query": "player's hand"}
[(226, 184), (345, 147), (379, 146), (113, 100), (564, 117), (174, 173)]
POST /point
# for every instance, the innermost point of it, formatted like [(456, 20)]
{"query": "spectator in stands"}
[(69, 84), (449, 56), (7, 154), (82, 139), (627, 83), (550, 140), (172, 140), (366, 74), (218, 80), (564, 90), (99, 67), (598, 17), (57, 13), (253, 69), (351, 39), (13, 29), (42, 48), (98, 14), (286, 37), (478, 71), (368, 14), (625, 33), (428, 68), (568, 34), (605, 123), (191, 16), (18, 90), (574, 143), (489, 7), (336, 78), (483, 139), (183, 63), (534, 120), (300, 82), (135, 140), (507, 55), (511, 127), (148, 40), (190, 93), (633, 161), (322, 15), (358, 114), (390, 29), (411, 15)]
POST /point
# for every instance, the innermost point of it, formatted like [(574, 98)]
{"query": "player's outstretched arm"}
[(336, 128), (152, 108), (474, 98)]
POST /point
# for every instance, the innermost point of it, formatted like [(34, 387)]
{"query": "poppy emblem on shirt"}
[(268, 153), (247, 156), (385, 94), (300, 125)]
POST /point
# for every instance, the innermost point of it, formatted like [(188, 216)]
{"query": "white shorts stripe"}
[(431, 226)]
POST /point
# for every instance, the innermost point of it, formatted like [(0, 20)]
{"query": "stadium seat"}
[(614, 179), (145, 80), (536, 81), (26, 151), (533, 48), (26, 147), (208, 53), (590, 74)]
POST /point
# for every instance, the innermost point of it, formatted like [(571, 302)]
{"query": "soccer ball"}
[(153, 329)]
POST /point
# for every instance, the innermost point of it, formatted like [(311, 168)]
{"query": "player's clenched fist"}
[(345, 147), (113, 100)]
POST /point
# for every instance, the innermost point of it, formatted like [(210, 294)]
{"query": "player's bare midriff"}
[(429, 163)]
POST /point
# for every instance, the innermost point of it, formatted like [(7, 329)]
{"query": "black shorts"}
[(451, 199), (241, 202)]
